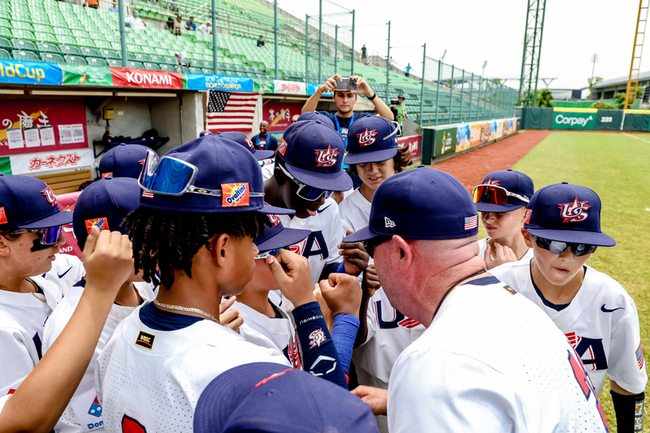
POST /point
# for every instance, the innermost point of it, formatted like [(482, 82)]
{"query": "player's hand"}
[(376, 398), (331, 84), (230, 318), (363, 88), (327, 313), (502, 254), (342, 293), (108, 260), (355, 257), (293, 275), (370, 281)]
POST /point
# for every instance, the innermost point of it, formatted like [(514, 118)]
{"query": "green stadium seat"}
[(23, 26), (67, 49), (109, 54), (207, 70), (25, 35), (115, 63), (52, 58), (185, 70), (149, 65), (24, 45), (46, 37), (67, 40), (92, 61), (6, 33), (170, 60), (156, 59), (142, 58), (135, 65), (166, 67), (5, 23), (75, 60), (5, 44), (25, 56), (194, 70), (4, 54), (62, 31), (89, 52)]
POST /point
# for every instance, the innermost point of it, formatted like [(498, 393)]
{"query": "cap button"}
[(509, 169), (565, 183), (422, 166)]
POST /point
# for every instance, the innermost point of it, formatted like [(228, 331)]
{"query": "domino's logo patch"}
[(95, 409)]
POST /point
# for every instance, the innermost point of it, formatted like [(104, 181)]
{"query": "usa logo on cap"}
[(574, 212), (100, 223), (3, 216), (49, 195), (275, 220), (326, 157), (366, 138)]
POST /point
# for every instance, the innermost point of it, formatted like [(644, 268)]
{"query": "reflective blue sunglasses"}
[(305, 191)]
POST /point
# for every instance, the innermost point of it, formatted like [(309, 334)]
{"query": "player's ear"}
[(528, 238), (279, 175), (4, 247), (219, 245), (406, 253)]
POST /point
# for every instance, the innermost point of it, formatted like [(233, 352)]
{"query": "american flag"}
[(639, 356), (471, 222), (231, 111)]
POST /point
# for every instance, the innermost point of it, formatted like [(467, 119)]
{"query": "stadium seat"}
[(25, 35), (135, 65), (24, 45), (89, 52), (52, 58), (5, 44), (142, 58), (166, 67), (149, 65), (93, 61), (4, 54), (109, 54), (67, 49), (75, 60), (25, 56), (67, 40), (115, 63), (23, 26)]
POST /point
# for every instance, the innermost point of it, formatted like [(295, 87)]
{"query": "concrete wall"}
[(166, 119)]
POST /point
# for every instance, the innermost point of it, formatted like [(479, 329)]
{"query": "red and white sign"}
[(290, 87), (48, 161), (37, 126), (413, 142), (146, 78), (67, 202), (279, 114)]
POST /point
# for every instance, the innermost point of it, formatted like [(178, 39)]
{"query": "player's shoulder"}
[(520, 268), (10, 324), (602, 286)]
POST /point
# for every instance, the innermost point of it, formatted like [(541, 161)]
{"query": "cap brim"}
[(58, 219), (269, 210), (370, 156), (340, 181), (574, 236), (263, 154), (283, 238), (497, 208), (360, 235)]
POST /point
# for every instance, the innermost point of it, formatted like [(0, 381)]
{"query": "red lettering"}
[(131, 425), (584, 382)]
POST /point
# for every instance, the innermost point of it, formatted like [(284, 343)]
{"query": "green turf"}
[(617, 167)]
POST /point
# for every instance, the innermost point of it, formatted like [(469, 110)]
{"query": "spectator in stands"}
[(114, 8), (173, 7), (401, 109), (364, 53), (153, 2), (178, 24), (264, 140), (260, 42), (407, 70), (169, 25), (92, 4), (391, 63), (206, 28), (190, 25), (135, 22)]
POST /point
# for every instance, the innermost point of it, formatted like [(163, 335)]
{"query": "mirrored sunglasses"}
[(557, 247), (47, 236), (494, 195), (272, 252), (307, 192)]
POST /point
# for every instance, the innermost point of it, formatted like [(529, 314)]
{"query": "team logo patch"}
[(509, 289), (108, 175), (95, 408), (145, 340), (3, 216), (492, 182), (100, 223), (316, 338), (389, 223), (529, 213), (250, 144), (471, 222), (326, 157), (574, 212), (366, 138), (235, 194), (639, 356), (275, 220), (49, 195), (282, 147)]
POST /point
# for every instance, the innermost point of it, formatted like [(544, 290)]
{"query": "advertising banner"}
[(486, 127), (146, 78), (475, 134), (279, 114), (311, 89), (445, 141), (609, 119), (462, 138), (87, 76), (493, 130), (218, 82), (37, 126), (505, 128), (413, 142), (567, 118), (66, 202), (499, 133), (290, 87), (36, 163), (16, 72)]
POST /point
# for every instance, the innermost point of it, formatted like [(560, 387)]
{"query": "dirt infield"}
[(471, 167)]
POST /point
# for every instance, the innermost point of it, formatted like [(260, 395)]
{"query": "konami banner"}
[(146, 78)]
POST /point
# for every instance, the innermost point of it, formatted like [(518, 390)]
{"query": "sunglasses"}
[(47, 236), (172, 176), (373, 243), (557, 247), (494, 195), (307, 192), (272, 252)]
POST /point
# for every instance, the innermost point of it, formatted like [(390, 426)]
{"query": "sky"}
[(475, 31)]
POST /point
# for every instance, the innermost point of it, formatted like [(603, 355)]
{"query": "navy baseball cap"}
[(105, 204), (241, 138), (371, 139), (313, 152), (124, 160), (420, 204), (274, 398), (227, 179), (315, 115), (29, 203), (512, 181), (566, 213), (278, 236)]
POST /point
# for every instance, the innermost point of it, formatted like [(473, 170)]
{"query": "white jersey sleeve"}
[(18, 354), (66, 271), (354, 211)]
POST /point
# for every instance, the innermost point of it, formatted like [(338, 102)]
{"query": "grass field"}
[(617, 167)]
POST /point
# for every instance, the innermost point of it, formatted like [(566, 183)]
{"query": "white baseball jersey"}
[(354, 211), (482, 245), (321, 246), (272, 332), (491, 362), (19, 354), (267, 166), (601, 323), (84, 413), (154, 378)]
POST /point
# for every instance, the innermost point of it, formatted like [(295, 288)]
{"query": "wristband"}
[(374, 95), (629, 412)]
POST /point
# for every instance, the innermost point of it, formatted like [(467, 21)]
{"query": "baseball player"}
[(501, 199), (307, 170), (489, 360), (374, 154), (104, 204), (195, 225), (123, 160), (599, 318)]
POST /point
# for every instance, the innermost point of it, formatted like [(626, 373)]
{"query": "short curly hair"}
[(402, 160), (170, 240)]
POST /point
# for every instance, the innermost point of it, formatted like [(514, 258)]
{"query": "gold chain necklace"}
[(189, 310)]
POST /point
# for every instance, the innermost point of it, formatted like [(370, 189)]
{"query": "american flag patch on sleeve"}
[(147, 193), (471, 222), (639, 356)]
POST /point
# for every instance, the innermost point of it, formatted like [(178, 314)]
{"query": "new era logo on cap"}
[(575, 211), (389, 223)]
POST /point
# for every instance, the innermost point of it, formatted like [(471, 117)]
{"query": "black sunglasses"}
[(373, 243), (557, 247)]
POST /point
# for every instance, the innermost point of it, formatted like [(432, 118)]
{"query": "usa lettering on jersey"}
[(590, 350), (306, 247), (398, 319)]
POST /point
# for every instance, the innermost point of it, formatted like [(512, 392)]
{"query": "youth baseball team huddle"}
[(215, 297)]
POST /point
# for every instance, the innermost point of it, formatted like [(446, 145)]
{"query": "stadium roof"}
[(643, 76)]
